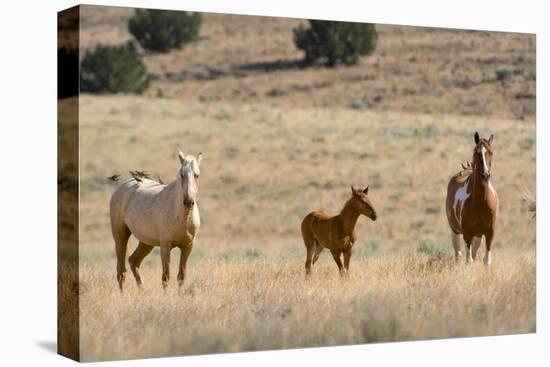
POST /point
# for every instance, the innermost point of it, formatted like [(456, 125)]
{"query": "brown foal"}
[(336, 233)]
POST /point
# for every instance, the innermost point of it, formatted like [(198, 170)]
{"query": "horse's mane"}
[(467, 165), (346, 204), (467, 168)]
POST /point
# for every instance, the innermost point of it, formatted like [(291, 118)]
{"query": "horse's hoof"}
[(458, 255)]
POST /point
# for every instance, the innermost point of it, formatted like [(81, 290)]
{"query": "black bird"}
[(114, 178), (136, 176), (143, 174)]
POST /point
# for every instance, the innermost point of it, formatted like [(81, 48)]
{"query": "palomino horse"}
[(157, 215), (336, 233), (472, 203)]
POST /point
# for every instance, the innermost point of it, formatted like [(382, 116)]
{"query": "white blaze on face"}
[(484, 160)]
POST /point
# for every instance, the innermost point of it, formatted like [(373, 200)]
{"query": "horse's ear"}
[(490, 141), (354, 191), (181, 157), (199, 158), (366, 190), (476, 137)]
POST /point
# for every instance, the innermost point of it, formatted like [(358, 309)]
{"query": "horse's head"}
[(363, 203), (483, 156), (188, 178)]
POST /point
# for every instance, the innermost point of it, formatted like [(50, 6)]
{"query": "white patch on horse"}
[(460, 197), (457, 244), (475, 246), (469, 258), (487, 259), (483, 154)]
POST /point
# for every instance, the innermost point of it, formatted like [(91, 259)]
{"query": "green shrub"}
[(335, 42), (252, 253), (163, 30), (429, 247), (113, 69)]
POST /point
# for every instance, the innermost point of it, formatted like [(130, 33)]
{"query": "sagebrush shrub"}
[(113, 69), (163, 30), (335, 42)]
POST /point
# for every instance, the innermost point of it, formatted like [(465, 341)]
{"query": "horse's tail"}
[(307, 231)]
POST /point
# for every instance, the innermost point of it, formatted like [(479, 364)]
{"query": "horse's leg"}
[(475, 246), (184, 255), (136, 258), (468, 239), (318, 250), (488, 242), (121, 233), (347, 257), (336, 256), (165, 259), (457, 244), (310, 248)]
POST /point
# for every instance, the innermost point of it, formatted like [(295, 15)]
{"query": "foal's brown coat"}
[(336, 233)]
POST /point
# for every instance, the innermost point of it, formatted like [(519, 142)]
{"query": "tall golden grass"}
[(254, 304)]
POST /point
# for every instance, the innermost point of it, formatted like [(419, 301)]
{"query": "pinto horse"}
[(336, 233), (472, 203)]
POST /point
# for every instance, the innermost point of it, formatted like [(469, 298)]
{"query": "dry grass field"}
[(263, 169), (271, 157), (253, 304)]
